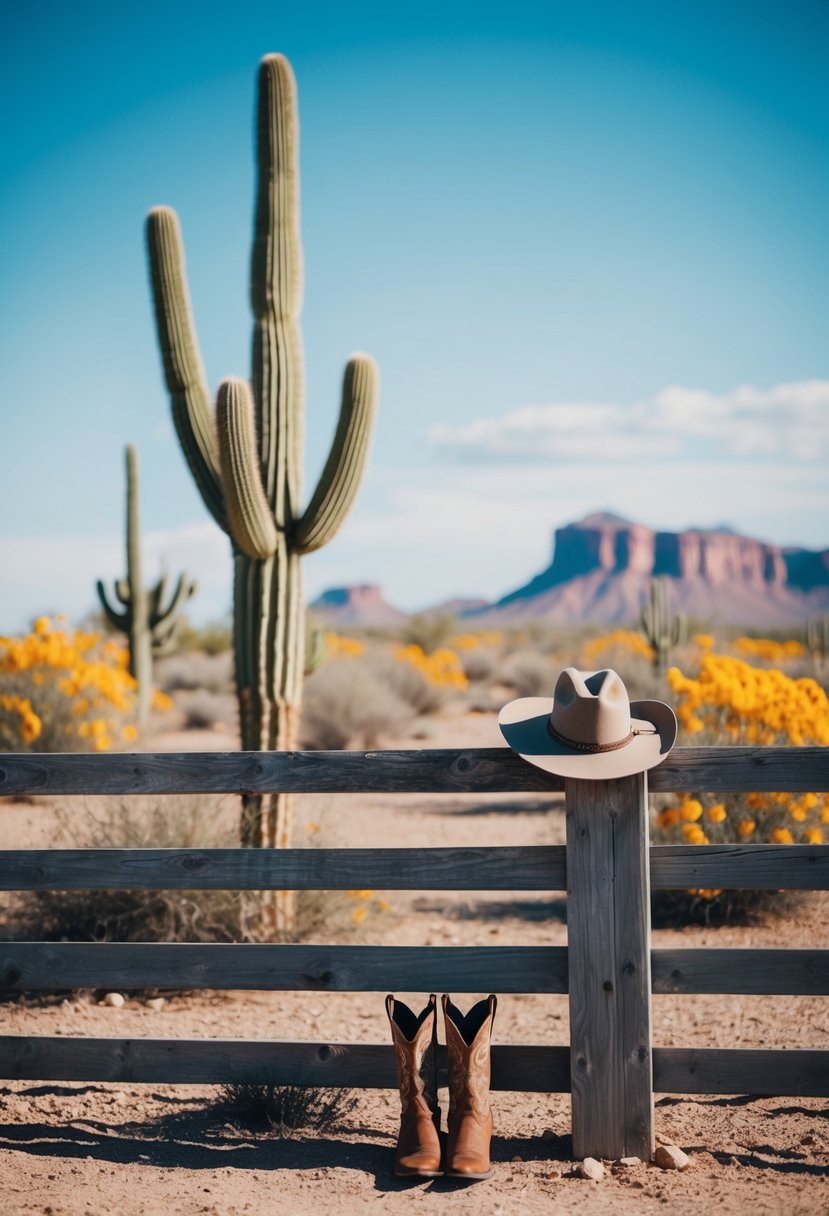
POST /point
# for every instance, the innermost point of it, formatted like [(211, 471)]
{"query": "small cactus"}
[(150, 620), (660, 628), (817, 638)]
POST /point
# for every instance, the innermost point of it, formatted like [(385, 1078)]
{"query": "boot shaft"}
[(468, 1056), (414, 1037)]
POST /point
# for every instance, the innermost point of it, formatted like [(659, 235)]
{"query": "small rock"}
[(732, 1161), (516, 1158), (661, 1138), (553, 1174), (113, 999), (669, 1157), (548, 1134), (156, 1003), (119, 1098), (808, 1139), (629, 1161), (591, 1168)]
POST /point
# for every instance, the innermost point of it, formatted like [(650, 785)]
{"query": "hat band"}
[(595, 748)]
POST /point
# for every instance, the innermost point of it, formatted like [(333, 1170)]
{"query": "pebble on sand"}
[(114, 999), (591, 1168), (669, 1157)]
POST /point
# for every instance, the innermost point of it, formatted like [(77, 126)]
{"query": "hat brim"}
[(524, 722)]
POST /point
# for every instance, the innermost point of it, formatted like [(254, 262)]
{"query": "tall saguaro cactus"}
[(247, 462), (661, 628), (146, 616)]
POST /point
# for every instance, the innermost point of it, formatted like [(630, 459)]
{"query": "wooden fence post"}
[(609, 942)]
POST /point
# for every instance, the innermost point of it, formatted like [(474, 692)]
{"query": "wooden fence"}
[(608, 968)]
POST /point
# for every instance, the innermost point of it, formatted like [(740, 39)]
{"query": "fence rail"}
[(609, 970)]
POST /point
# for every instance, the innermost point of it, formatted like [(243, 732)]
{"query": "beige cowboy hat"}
[(590, 728)]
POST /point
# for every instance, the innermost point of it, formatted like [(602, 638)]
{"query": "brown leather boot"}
[(415, 1052), (470, 1118)]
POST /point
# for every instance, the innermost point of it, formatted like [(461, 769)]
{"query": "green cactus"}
[(247, 462), (316, 647), (150, 621), (817, 638), (661, 628)]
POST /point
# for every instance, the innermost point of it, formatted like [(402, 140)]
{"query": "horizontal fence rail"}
[(516, 868), (528, 1069), (56, 966), (494, 770)]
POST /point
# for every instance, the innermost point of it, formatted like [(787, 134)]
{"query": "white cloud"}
[(786, 421)]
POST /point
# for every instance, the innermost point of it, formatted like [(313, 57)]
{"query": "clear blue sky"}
[(588, 245)]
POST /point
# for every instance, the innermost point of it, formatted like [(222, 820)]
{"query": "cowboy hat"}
[(589, 728)]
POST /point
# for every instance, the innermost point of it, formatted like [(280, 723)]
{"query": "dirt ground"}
[(77, 1149)]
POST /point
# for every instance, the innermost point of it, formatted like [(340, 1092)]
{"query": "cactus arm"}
[(340, 478), (181, 357), (155, 598), (118, 620), (276, 290), (249, 514), (123, 591)]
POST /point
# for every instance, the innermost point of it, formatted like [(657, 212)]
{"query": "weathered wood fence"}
[(611, 1067)]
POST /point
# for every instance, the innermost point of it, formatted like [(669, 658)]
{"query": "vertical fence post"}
[(609, 943)]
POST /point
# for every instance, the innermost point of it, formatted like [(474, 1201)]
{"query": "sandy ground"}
[(73, 1149)]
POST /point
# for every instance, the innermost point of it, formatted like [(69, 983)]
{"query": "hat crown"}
[(590, 708)]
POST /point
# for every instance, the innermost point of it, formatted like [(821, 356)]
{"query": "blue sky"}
[(586, 243)]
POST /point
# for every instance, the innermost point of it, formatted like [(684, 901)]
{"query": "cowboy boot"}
[(470, 1118), (415, 1052)]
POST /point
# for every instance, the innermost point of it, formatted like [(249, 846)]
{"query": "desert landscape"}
[(574, 253), (106, 1148)]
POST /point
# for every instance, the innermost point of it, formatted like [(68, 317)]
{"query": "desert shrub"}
[(283, 1109), (731, 702), (205, 710), (175, 822), (429, 630), (346, 703), (480, 664), (64, 691), (194, 670), (529, 673)]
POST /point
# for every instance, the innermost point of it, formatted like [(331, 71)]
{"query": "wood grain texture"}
[(759, 971), (449, 771), (608, 933), (763, 1072), (216, 1061), (740, 867), (56, 966), (525, 868), (530, 1069)]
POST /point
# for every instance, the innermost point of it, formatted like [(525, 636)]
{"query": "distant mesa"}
[(602, 566), (600, 572), (359, 605)]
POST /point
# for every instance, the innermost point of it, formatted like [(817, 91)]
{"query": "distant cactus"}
[(247, 462), (817, 638), (660, 628), (150, 621)]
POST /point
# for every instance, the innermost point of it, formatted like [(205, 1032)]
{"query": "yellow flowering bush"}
[(732, 702), (471, 641), (626, 641), (768, 650), (340, 647), (64, 691), (442, 667)]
